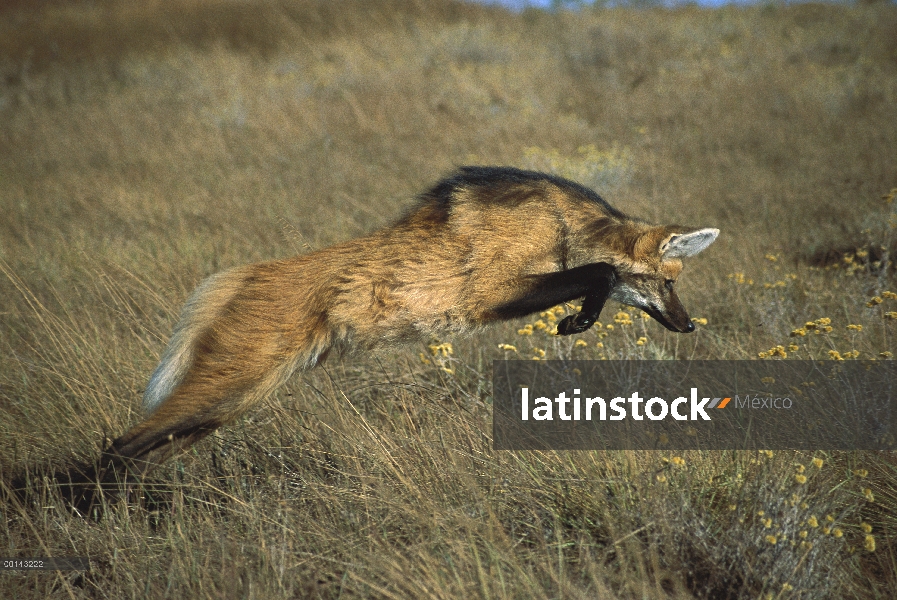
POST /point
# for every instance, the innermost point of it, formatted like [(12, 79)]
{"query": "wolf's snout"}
[(677, 324)]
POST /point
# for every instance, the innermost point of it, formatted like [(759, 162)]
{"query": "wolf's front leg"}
[(595, 281), (591, 308)]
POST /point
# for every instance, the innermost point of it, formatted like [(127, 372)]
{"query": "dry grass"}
[(144, 146)]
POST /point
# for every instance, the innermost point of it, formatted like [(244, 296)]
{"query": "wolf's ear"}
[(682, 245)]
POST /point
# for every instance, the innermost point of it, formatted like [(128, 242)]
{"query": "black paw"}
[(575, 324)]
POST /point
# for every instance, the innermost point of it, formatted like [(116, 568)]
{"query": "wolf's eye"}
[(668, 284)]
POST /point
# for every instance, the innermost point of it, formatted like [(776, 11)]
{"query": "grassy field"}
[(146, 145)]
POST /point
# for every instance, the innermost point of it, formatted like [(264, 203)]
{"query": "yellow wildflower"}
[(623, 318), (549, 315), (776, 351), (444, 349)]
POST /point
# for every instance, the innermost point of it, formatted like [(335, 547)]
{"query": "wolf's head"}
[(651, 265)]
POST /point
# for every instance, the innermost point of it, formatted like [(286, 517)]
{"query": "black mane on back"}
[(488, 177)]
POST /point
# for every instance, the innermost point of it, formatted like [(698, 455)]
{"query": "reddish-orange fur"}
[(467, 250)]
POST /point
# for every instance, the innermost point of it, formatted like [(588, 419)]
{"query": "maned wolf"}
[(484, 245)]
